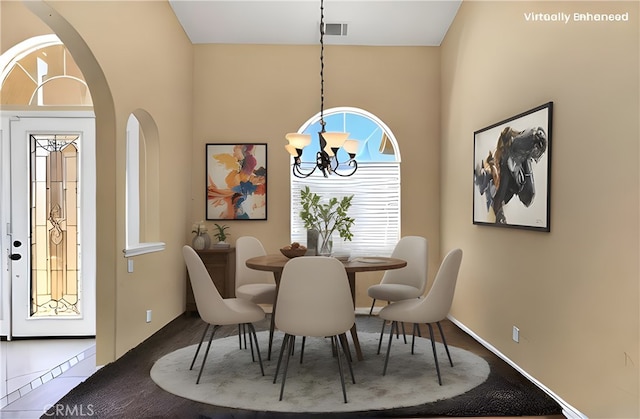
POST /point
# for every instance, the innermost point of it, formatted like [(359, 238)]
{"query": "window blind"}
[(375, 207)]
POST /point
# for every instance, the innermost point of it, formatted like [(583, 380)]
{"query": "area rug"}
[(230, 379)]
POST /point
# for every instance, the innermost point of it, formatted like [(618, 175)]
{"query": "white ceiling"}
[(370, 22)]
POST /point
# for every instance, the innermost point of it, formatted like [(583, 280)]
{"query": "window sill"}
[(143, 248)]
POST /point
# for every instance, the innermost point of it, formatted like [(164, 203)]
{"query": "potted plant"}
[(221, 235), (326, 217)]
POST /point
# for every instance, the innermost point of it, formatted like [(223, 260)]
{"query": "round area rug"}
[(230, 379)]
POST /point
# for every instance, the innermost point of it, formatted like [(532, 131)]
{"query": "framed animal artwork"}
[(512, 171), (236, 181)]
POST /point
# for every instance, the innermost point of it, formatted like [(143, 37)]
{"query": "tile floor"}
[(36, 373)]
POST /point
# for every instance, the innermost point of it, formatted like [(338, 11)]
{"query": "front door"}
[(51, 224)]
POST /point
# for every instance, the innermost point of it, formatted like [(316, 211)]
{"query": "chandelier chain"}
[(322, 123)]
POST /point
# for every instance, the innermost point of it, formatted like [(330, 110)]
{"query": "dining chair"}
[(314, 300), (431, 309), (406, 283), (218, 311), (256, 286)]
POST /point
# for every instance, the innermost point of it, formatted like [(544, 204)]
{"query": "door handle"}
[(15, 256), (17, 243)]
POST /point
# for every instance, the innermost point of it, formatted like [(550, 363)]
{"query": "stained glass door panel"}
[(54, 225)]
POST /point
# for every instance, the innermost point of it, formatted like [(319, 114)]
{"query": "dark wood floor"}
[(123, 389), (457, 337)]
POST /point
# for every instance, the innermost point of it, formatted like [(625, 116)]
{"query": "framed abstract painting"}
[(236, 181), (512, 171)]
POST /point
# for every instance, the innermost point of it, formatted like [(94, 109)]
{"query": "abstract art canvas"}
[(511, 176), (236, 181)]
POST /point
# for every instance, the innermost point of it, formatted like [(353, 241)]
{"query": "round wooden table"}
[(275, 263)]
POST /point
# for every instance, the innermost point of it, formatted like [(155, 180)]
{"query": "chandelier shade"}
[(296, 143)]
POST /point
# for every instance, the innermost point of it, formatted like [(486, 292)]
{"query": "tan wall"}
[(145, 64), (18, 24), (573, 292), (258, 93)]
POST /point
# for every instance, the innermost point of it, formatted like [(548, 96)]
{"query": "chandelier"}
[(330, 142)]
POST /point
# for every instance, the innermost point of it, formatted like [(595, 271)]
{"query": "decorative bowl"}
[(293, 253)]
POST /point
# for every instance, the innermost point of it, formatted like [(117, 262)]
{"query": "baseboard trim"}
[(568, 411)]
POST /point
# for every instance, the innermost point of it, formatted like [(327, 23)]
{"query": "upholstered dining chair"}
[(408, 282), (218, 311), (256, 286), (252, 285), (314, 300), (431, 309)]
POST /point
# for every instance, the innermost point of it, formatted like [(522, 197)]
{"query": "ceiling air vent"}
[(339, 29)]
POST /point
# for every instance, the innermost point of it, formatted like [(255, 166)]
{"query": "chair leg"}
[(416, 329), (404, 334), (347, 352), (435, 356), (304, 340), (345, 342), (272, 327), (285, 340), (344, 390), (384, 322), (372, 304), (444, 342), (386, 360), (206, 353), (199, 345), (286, 367), (397, 330), (244, 333), (252, 332)]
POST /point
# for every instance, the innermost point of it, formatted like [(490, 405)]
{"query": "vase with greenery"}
[(326, 217), (201, 239)]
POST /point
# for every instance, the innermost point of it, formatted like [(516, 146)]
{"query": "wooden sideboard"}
[(221, 264)]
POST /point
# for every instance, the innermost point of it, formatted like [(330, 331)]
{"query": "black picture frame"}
[(512, 171), (236, 181)]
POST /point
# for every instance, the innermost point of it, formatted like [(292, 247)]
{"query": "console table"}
[(221, 264)]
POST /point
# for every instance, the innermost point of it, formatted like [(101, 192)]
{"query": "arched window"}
[(142, 184), (40, 72), (375, 185)]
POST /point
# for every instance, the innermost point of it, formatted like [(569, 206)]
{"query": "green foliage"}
[(326, 217), (221, 235)]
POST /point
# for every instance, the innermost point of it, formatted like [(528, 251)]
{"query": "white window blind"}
[(375, 207)]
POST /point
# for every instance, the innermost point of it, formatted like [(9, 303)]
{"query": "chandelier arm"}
[(352, 163), (297, 172)]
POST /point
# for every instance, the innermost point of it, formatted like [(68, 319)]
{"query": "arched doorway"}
[(49, 282)]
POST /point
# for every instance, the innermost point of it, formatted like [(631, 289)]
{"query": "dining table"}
[(275, 263)]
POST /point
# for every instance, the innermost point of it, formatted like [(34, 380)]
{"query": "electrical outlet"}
[(148, 316), (516, 334)]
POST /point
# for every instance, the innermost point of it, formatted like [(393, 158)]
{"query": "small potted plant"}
[(221, 234), (326, 217)]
